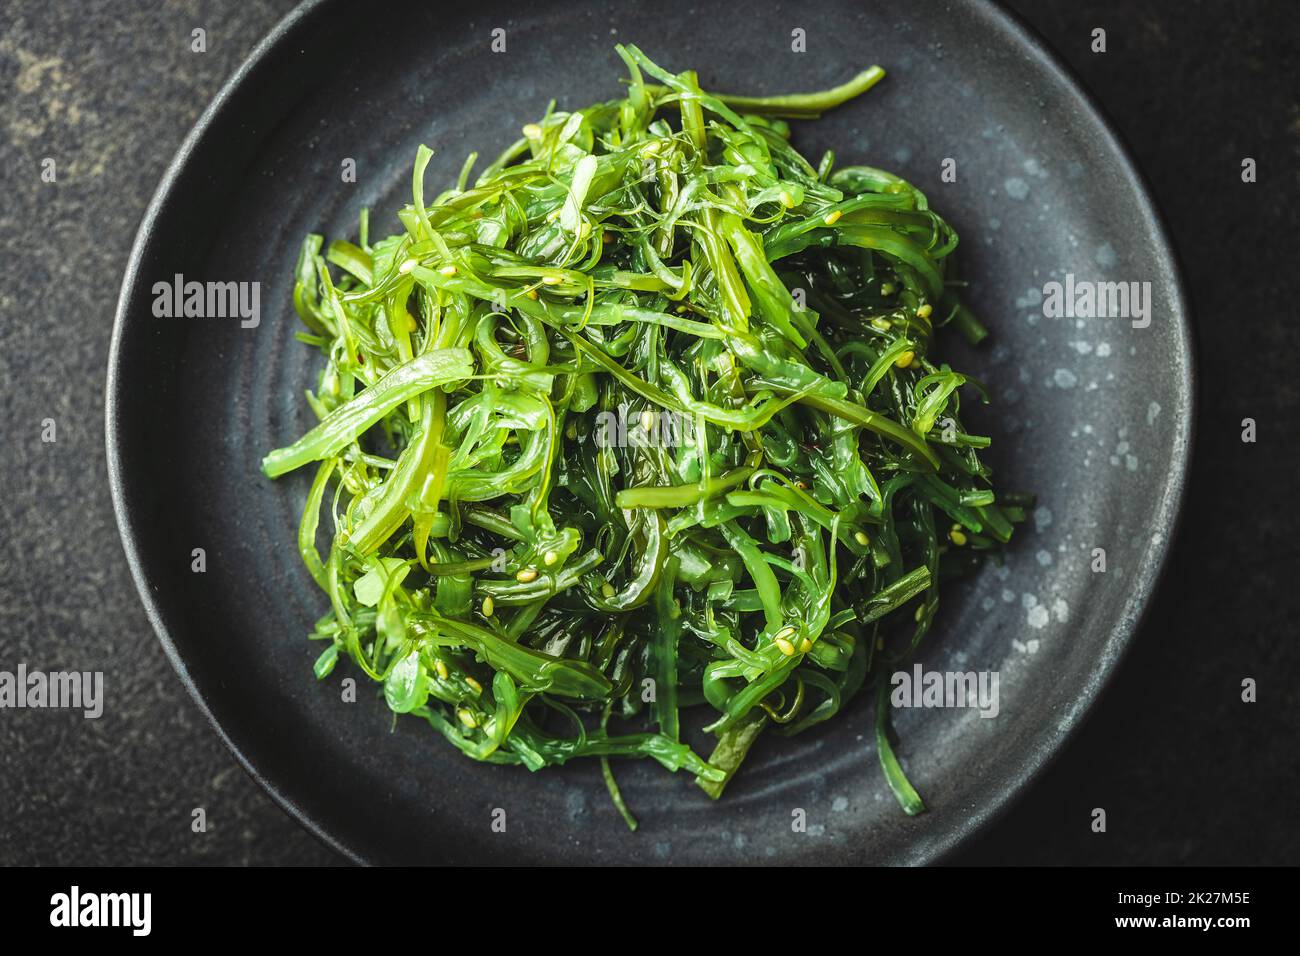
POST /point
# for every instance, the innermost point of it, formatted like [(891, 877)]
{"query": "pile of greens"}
[(641, 424)]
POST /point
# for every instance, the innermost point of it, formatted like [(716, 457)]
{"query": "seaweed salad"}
[(639, 438)]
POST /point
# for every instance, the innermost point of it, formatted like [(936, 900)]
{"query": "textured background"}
[(1188, 774)]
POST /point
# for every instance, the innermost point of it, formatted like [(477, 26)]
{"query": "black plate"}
[(1094, 415)]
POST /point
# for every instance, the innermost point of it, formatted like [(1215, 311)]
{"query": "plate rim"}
[(1045, 751)]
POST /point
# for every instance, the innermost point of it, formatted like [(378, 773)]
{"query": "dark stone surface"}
[(108, 90), (1187, 773)]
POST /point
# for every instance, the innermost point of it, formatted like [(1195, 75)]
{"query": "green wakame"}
[(637, 436)]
